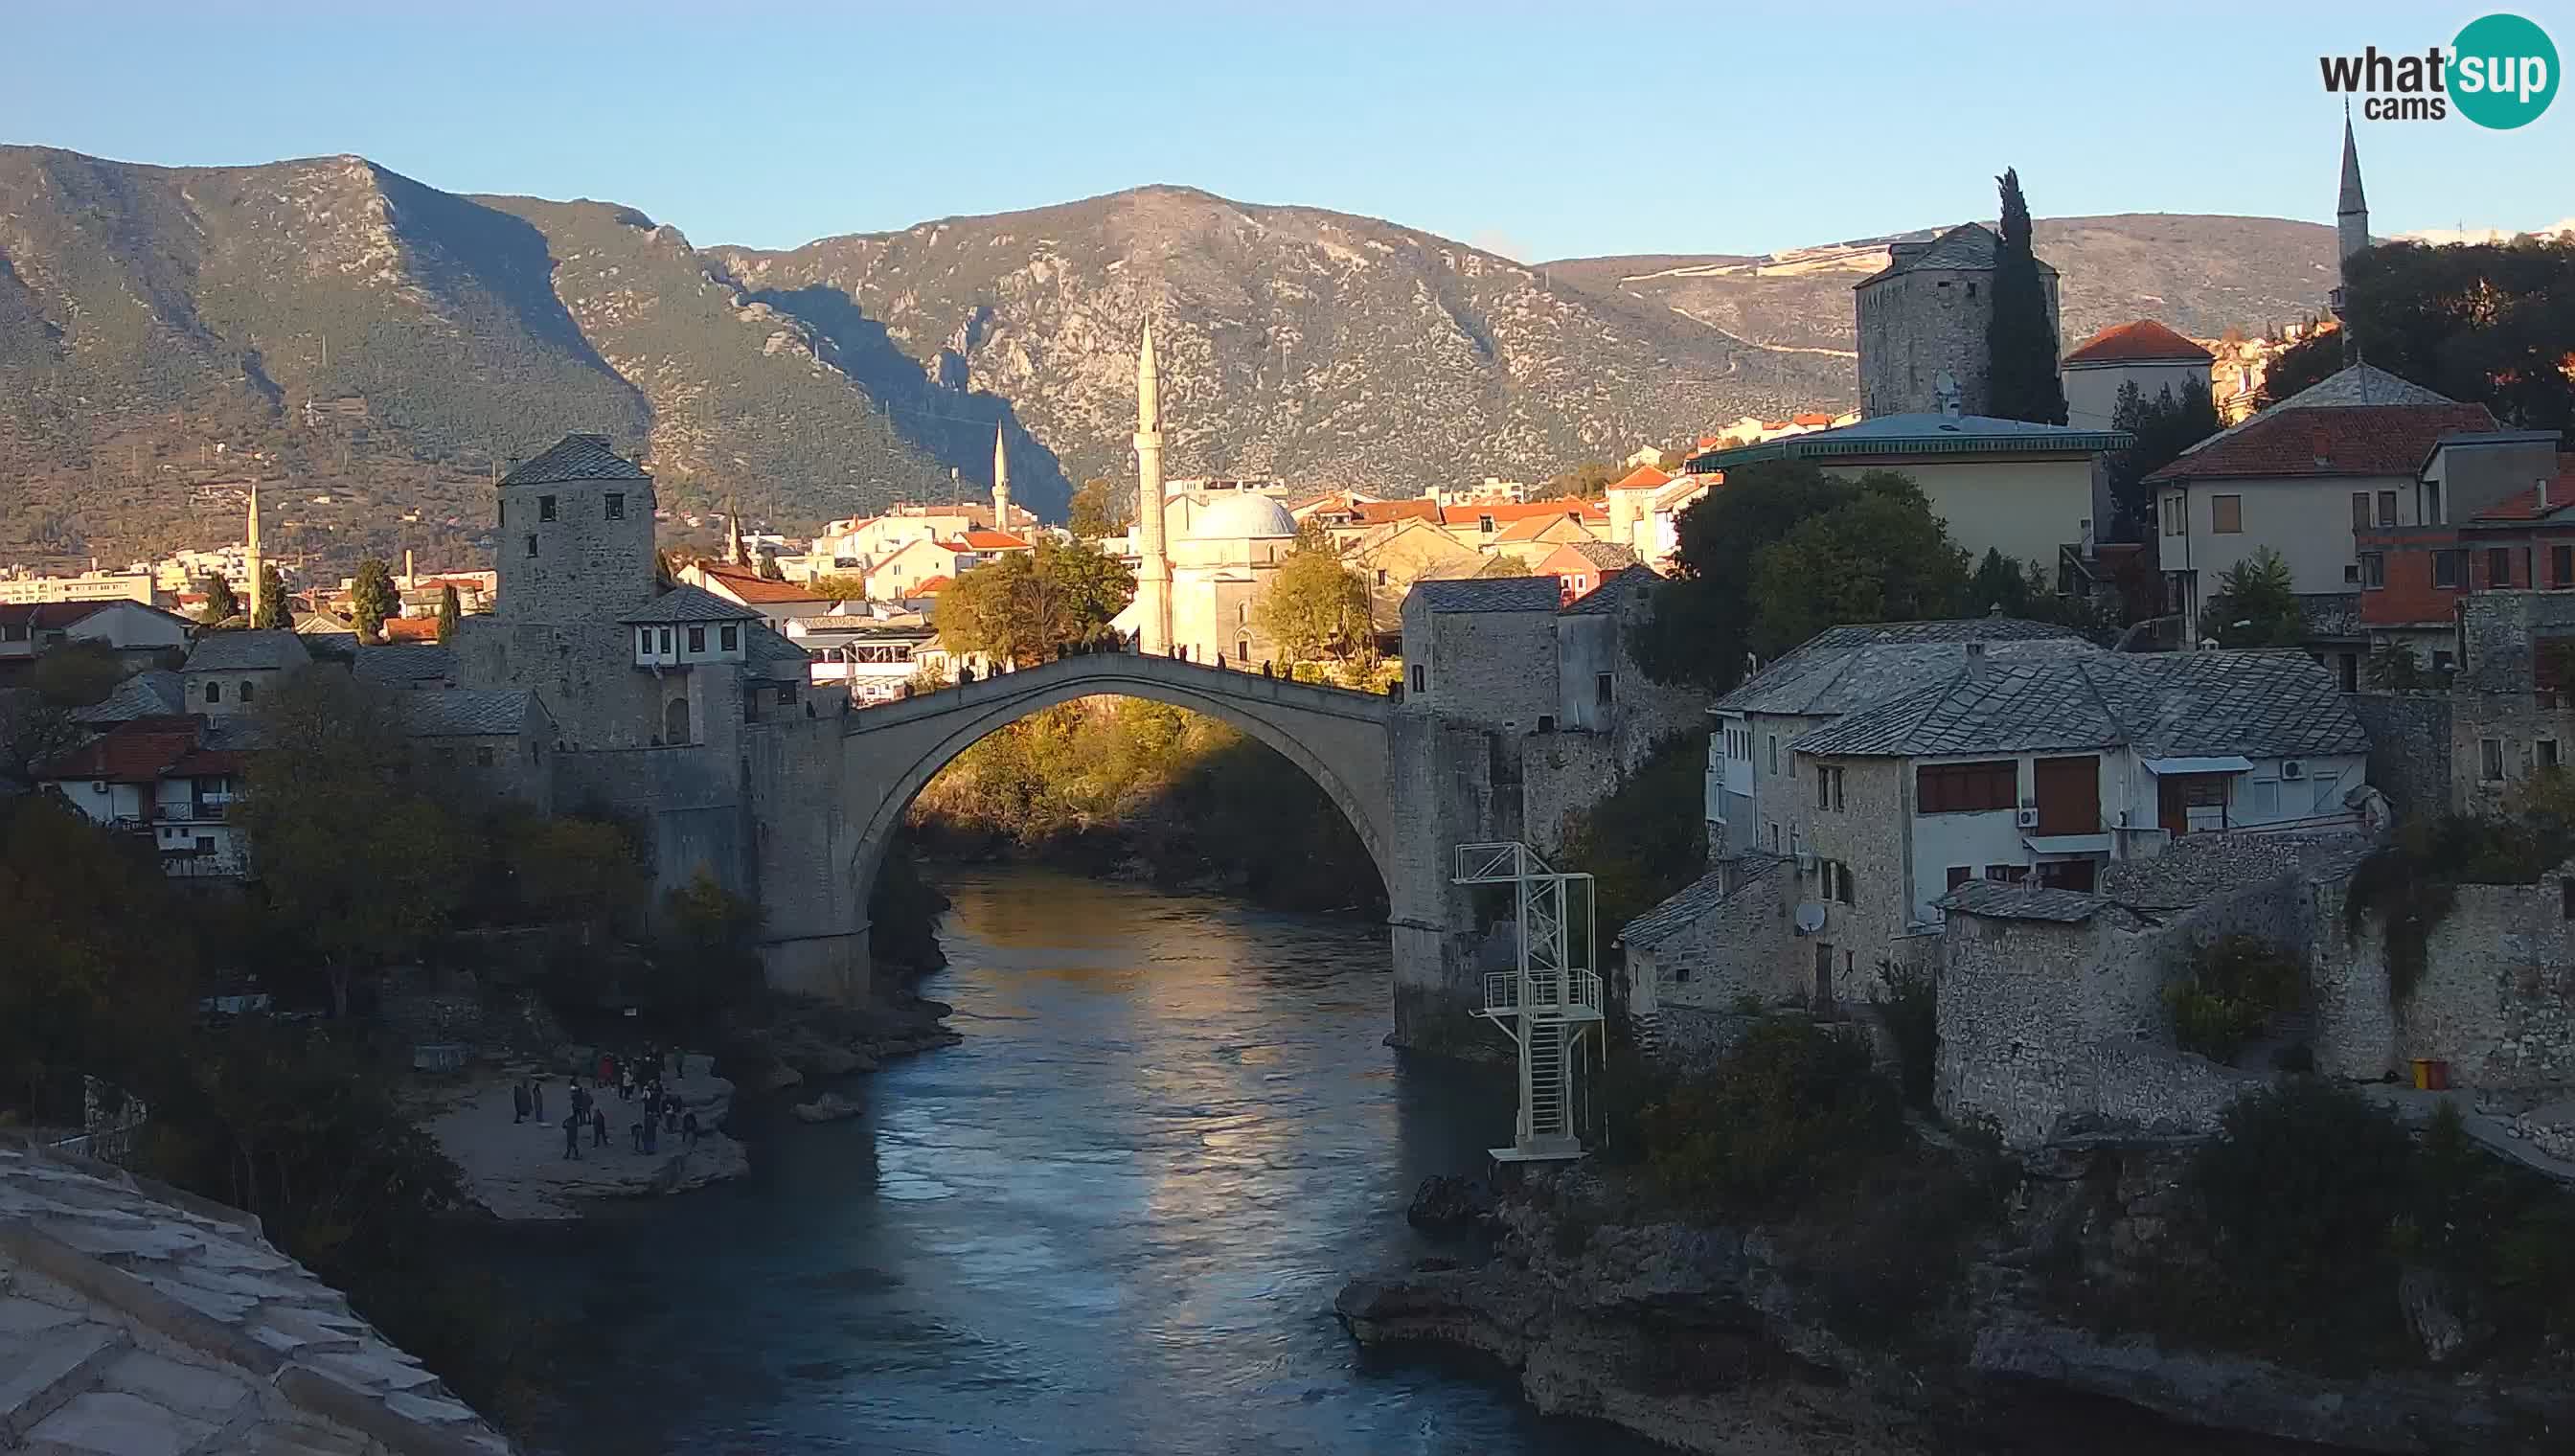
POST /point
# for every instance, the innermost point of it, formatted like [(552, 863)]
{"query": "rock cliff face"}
[(1715, 1339)]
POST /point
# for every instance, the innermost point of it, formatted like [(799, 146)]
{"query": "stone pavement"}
[(517, 1170), (138, 1320)]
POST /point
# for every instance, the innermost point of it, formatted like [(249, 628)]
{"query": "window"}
[(2360, 517), (2433, 504), (1421, 679), (1774, 752), (729, 635), (1966, 787), (503, 516), (644, 639), (544, 507), (785, 696), (483, 757), (2373, 568), (1837, 882), (205, 843), (1959, 874), (2006, 874), (2387, 508), (2490, 759), (666, 639), (2498, 567), (1605, 688), (248, 690), (2227, 514), (1775, 837), (2262, 798), (1484, 524), (1547, 723), (2172, 515), (2561, 566), (2442, 660), (1380, 576), (2445, 568), (1829, 786), (616, 505), (214, 692), (2544, 752), (697, 639), (532, 544)]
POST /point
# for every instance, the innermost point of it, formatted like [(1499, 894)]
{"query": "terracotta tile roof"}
[(1535, 528), (1379, 513), (748, 586), (2138, 341), (2536, 503), (933, 586), (995, 541), (2362, 440), (1643, 478), (1813, 417), (1502, 511), (411, 629), (139, 751)]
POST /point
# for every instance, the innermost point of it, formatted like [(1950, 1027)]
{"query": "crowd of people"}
[(637, 1081)]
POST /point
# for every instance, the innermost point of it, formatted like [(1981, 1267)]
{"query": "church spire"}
[(2351, 236), (254, 565), (1000, 481)]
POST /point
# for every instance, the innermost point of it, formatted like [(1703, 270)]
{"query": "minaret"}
[(2351, 233), (733, 554), (252, 565), (1153, 572), (1001, 483)]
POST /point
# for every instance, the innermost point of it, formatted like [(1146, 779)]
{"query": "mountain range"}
[(167, 333)]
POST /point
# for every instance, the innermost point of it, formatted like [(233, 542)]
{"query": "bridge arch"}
[(1336, 736)]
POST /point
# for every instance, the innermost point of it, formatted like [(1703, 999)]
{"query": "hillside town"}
[(2066, 757)]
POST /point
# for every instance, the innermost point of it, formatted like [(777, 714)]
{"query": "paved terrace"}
[(137, 1320)]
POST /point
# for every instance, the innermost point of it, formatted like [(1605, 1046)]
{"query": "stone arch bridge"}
[(1350, 744)]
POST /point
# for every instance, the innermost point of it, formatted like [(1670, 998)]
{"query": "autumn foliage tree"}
[(1314, 608), (1028, 606)]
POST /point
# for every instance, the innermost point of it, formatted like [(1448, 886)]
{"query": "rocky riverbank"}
[(518, 1172), (1727, 1339)]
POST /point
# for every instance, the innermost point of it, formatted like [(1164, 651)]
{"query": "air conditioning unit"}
[(2027, 819), (2293, 769)]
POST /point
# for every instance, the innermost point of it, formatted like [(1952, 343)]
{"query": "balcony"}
[(1573, 995)]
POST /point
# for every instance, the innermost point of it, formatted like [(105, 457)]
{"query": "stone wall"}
[(1495, 669), (1561, 775), (586, 568), (1744, 946), (2516, 723), (2409, 748), (1867, 833), (689, 802), (814, 934), (2496, 999)]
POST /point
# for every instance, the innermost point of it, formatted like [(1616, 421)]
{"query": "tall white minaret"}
[(1001, 483), (253, 565), (2351, 234), (1153, 573)]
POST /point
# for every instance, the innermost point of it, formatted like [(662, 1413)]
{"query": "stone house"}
[(1393, 555), (494, 743), (2501, 713), (2492, 513), (226, 670)]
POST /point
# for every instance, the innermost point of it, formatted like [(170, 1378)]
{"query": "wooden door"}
[(2069, 795)]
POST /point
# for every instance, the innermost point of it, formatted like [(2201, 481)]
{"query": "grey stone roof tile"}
[(1696, 899), (404, 664), (231, 651), (2023, 902), (1848, 668), (1614, 594), (468, 712), (685, 603), (575, 458), (1491, 594), (154, 692)]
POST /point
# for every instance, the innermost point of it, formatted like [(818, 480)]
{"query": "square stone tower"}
[(576, 529), (1923, 316)]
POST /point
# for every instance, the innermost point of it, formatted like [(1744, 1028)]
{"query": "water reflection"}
[(1111, 1221)]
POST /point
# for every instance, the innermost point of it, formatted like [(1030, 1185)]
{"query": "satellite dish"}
[(1810, 918)]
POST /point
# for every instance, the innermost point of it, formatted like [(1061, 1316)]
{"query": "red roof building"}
[(2140, 341)]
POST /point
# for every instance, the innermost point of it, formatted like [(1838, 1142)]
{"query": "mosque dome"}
[(1243, 517)]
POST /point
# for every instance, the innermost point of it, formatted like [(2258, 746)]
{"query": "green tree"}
[(31, 731), (2485, 323), (276, 610), (354, 849), (74, 674), (710, 955), (1314, 608), (221, 605), (1503, 566), (1588, 481), (1881, 556), (839, 587), (372, 597), (100, 965), (1701, 628), (2020, 339), (2164, 426), (2256, 604), (1100, 508), (448, 610), (1028, 607), (2000, 585), (770, 570)]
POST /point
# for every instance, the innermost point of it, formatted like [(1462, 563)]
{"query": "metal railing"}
[(1574, 992)]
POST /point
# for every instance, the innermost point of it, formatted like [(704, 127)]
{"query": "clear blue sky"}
[(1543, 132)]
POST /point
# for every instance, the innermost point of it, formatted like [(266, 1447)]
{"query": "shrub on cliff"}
[(2236, 985), (1792, 1111)]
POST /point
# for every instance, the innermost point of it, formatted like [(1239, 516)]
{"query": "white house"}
[(2140, 351), (161, 777)]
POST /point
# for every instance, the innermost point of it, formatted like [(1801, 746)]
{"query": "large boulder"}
[(1446, 1204)]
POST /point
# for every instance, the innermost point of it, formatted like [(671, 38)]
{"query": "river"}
[(1112, 1220)]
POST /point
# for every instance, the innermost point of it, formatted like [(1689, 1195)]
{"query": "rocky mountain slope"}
[(2200, 274), (168, 333)]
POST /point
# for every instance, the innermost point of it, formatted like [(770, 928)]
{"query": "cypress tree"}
[(2020, 340), (448, 610), (274, 612)]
